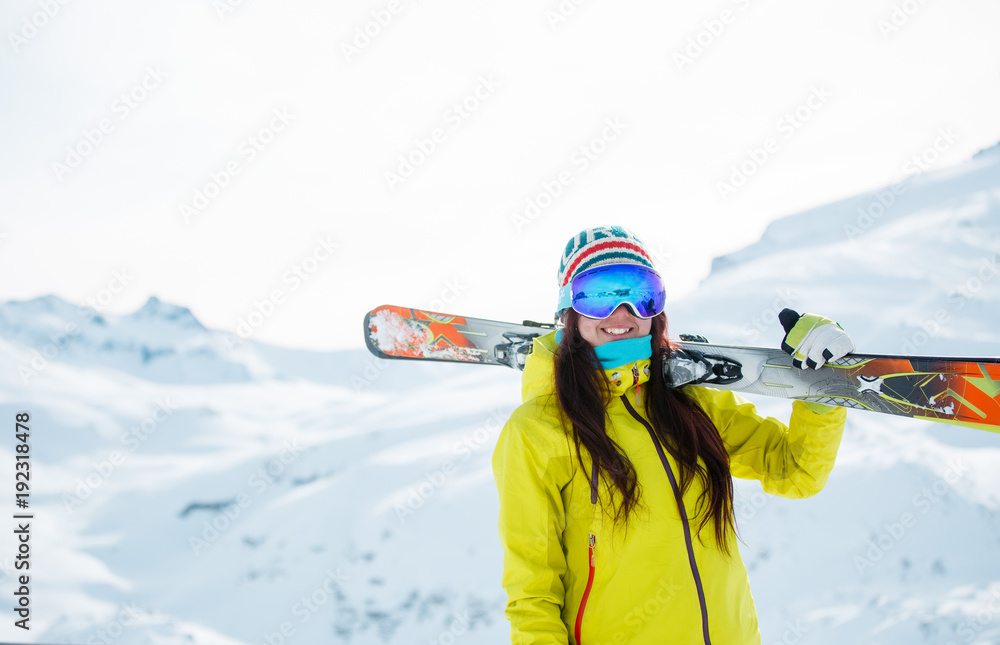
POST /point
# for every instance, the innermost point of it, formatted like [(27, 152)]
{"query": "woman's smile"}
[(619, 325)]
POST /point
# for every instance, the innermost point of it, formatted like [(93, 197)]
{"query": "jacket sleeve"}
[(790, 461), (530, 470)]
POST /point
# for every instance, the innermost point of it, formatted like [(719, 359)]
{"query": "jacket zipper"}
[(586, 592), (684, 518)]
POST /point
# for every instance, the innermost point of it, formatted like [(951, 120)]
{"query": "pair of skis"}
[(962, 391)]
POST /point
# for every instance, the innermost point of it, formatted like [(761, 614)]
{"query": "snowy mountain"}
[(159, 342), (192, 487), (222, 489), (919, 275)]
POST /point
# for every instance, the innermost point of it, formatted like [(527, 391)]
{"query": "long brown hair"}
[(683, 428)]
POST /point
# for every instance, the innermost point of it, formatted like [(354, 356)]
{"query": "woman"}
[(616, 496)]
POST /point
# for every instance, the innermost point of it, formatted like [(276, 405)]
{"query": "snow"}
[(194, 487)]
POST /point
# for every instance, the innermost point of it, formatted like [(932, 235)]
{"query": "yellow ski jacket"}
[(572, 578)]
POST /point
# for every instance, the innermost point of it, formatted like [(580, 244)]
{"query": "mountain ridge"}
[(236, 492)]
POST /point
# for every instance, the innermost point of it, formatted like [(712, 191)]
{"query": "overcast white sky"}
[(262, 107)]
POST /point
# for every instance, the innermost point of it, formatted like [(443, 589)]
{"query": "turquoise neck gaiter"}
[(620, 352)]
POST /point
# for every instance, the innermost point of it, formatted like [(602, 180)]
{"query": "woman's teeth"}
[(616, 331)]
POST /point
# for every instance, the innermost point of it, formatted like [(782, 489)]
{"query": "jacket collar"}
[(539, 371)]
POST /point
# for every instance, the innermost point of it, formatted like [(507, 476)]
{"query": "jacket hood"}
[(539, 378)]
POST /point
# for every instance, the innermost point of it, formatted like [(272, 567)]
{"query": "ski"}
[(401, 332), (962, 391)]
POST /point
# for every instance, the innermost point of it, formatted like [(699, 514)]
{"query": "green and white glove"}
[(813, 340)]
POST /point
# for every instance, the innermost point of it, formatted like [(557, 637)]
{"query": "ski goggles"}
[(597, 292)]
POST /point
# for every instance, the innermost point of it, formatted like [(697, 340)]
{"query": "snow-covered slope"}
[(225, 489), (191, 487), (902, 545), (920, 275)]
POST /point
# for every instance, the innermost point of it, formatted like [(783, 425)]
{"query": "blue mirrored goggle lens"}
[(598, 292)]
